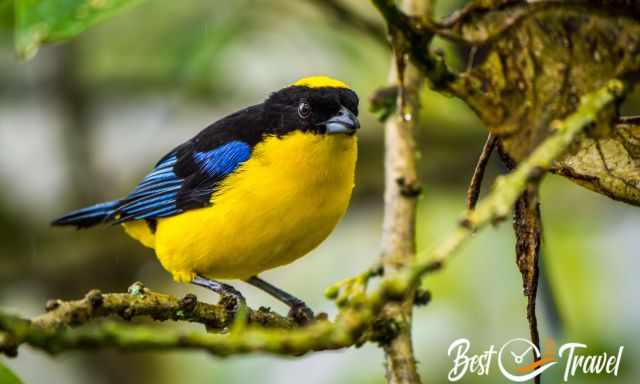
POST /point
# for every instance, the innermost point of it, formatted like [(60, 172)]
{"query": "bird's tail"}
[(89, 216)]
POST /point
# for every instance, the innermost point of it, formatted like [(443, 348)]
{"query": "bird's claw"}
[(231, 299), (301, 314)]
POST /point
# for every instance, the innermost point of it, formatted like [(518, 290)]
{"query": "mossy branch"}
[(72, 325), (321, 335), (140, 301)]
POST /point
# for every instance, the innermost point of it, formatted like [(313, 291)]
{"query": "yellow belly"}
[(275, 208)]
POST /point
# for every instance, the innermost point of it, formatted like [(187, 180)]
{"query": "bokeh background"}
[(85, 120)]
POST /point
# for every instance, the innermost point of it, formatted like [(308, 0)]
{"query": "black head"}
[(314, 104)]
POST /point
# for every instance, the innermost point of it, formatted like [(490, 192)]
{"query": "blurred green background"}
[(83, 121)]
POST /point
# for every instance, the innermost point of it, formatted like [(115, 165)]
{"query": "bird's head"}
[(315, 104)]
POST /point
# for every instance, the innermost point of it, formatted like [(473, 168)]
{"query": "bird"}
[(253, 191)]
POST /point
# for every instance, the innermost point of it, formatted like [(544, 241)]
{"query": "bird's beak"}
[(343, 122)]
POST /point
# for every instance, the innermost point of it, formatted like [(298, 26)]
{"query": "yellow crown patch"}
[(320, 82)]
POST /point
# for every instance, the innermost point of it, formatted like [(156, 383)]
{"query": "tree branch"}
[(321, 335), (66, 327), (400, 198), (140, 301)]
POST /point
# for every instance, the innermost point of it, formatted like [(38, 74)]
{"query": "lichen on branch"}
[(74, 325), (140, 301)]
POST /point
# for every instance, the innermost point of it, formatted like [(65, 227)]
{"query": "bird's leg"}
[(230, 297), (298, 310)]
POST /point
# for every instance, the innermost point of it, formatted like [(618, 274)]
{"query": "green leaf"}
[(44, 21), (7, 376)]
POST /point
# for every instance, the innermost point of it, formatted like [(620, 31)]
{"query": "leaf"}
[(537, 71), (45, 21), (7, 376), (609, 165)]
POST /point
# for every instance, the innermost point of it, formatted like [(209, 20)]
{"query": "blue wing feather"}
[(157, 194), (223, 160)]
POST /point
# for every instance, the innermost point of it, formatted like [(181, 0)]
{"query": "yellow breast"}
[(275, 208)]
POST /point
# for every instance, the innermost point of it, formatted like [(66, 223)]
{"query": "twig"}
[(527, 225), (627, 121), (473, 192), (352, 291), (417, 33)]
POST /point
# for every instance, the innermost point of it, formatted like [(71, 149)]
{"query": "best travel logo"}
[(515, 362)]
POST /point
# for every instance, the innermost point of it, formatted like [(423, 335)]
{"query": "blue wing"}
[(165, 192)]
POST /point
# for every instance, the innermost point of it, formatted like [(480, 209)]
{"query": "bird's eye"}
[(304, 110)]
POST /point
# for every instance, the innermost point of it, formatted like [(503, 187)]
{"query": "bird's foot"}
[(300, 313), (298, 310), (231, 299)]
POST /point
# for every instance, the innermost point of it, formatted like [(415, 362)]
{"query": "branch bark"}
[(72, 325), (140, 301), (400, 198), (241, 340)]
